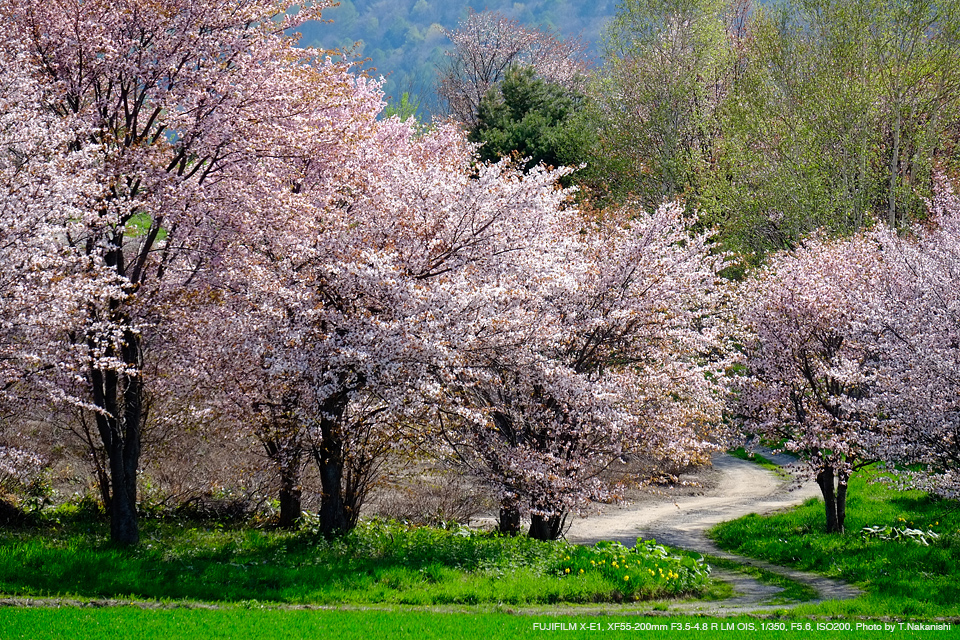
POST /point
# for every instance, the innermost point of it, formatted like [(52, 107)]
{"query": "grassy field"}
[(903, 573), (240, 624)]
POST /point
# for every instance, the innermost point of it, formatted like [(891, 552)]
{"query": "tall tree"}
[(837, 118), (604, 345), (667, 68), (919, 338), (338, 295), (178, 105), (915, 46)]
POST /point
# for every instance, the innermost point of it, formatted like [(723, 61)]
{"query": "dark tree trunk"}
[(359, 475), (825, 480), (546, 527), (103, 483), (121, 398), (510, 517), (333, 514), (335, 517), (101, 466), (284, 446), (290, 494), (841, 502)]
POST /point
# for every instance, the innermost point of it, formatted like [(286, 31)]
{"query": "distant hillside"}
[(403, 39)]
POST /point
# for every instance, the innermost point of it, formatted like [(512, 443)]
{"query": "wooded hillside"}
[(404, 40)]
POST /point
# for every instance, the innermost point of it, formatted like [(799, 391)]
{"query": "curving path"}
[(740, 488)]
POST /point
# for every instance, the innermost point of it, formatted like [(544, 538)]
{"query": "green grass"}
[(901, 577), (792, 590), (132, 623), (377, 563), (766, 463)]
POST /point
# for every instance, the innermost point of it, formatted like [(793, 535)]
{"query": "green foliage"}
[(527, 117), (38, 493), (900, 534), (836, 116), (405, 108), (775, 120), (751, 456), (900, 577), (792, 590), (665, 72)]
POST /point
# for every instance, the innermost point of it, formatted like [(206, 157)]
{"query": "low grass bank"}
[(377, 563), (901, 575)]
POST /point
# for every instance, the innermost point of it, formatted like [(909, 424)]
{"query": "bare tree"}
[(486, 44)]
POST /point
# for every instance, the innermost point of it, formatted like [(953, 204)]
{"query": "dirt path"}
[(738, 487)]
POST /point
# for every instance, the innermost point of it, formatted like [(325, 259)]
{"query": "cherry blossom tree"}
[(43, 285), (919, 337), (486, 44), (178, 107), (340, 296), (606, 345), (811, 355)]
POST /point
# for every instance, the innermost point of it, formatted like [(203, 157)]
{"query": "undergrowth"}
[(378, 562)]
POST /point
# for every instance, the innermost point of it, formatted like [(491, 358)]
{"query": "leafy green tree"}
[(915, 46), (405, 108), (667, 68), (532, 119), (837, 117), (800, 141)]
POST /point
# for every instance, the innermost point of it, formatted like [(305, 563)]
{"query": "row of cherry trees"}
[(853, 352), (205, 224)]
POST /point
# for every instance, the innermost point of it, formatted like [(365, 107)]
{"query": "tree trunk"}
[(120, 396), (841, 502), (825, 480), (546, 527), (894, 170), (290, 494), (333, 514), (335, 518), (510, 516), (283, 443)]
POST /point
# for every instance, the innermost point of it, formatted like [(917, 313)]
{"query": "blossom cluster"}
[(853, 347)]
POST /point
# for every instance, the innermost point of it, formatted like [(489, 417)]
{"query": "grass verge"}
[(758, 459), (793, 591)]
